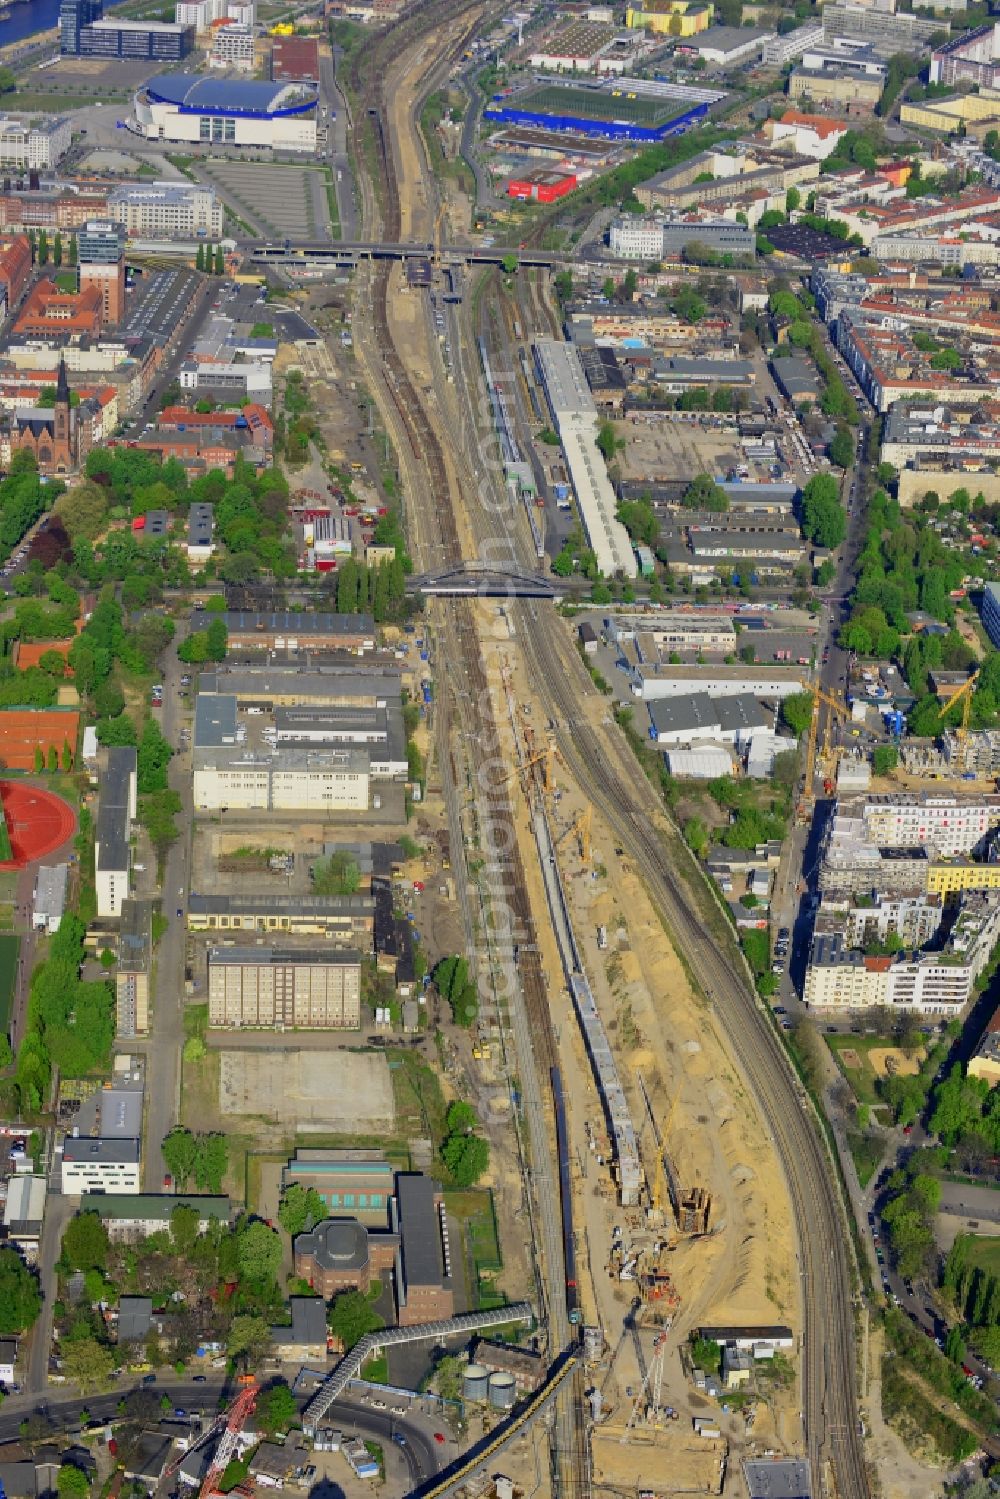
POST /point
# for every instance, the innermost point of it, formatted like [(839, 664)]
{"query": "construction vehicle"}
[(964, 696), (648, 1402)]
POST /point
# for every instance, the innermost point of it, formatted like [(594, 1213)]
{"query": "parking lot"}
[(290, 199), (161, 301)]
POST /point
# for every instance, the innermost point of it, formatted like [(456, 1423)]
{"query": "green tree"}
[(57, 251), (199, 259), (20, 1299), (43, 247), (258, 1251), (39, 759), (152, 758), (72, 1482), (87, 1362), (216, 640), (796, 711), (179, 1152), (276, 1409), (607, 442), (509, 264), (823, 518), (184, 1222), (466, 1157), (248, 1337), (52, 759), (300, 1208), (220, 261), (885, 759), (85, 1243), (352, 1315), (704, 494), (842, 448)]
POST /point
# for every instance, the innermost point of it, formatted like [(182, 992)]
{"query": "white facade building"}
[(636, 239), (36, 143), (779, 50), (234, 46), (167, 210), (234, 112)]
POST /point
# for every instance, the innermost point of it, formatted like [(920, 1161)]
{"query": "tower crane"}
[(819, 697), (964, 696), (653, 1381)]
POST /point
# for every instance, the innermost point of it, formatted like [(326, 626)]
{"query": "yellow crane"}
[(582, 827), (819, 697), (963, 696)]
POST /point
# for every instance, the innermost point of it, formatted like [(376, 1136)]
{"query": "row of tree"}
[(212, 261), (70, 1022)]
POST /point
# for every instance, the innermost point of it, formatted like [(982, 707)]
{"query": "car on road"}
[(179, 911), (439, 1436), (200, 1379), (168, 1181), (149, 1379)]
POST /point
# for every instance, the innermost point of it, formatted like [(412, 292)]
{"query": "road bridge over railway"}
[(349, 252), (477, 579)]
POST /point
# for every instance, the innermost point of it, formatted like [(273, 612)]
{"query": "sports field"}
[(589, 104), (38, 822), (9, 946)]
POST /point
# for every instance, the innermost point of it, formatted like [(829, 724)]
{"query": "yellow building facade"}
[(944, 879), (671, 17)]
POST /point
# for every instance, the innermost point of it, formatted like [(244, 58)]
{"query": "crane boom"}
[(241, 1408)]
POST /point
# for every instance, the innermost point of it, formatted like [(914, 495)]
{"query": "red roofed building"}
[(816, 136), (295, 58), (252, 417), (49, 313), (15, 267)]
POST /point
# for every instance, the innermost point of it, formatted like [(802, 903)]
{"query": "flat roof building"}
[(346, 919), (358, 1182), (117, 807), (49, 901), (133, 1217), (275, 988), (575, 415), (167, 210), (36, 143)]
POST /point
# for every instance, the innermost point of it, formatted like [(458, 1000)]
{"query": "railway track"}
[(621, 794), (460, 644)]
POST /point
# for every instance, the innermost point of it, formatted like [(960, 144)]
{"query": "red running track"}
[(38, 822)]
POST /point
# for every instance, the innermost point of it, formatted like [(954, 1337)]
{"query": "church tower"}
[(62, 454)]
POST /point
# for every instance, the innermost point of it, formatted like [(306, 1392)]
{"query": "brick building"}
[(50, 313)]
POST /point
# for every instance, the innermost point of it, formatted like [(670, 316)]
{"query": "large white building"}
[(275, 988), (950, 824), (226, 111), (297, 780), (167, 210), (34, 143), (575, 416)]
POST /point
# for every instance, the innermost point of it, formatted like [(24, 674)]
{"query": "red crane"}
[(230, 1422)]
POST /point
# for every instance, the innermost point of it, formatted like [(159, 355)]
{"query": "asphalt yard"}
[(290, 199)]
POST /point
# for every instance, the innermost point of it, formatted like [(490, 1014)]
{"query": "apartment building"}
[(135, 958), (950, 824), (34, 144), (275, 988), (234, 47), (990, 612)]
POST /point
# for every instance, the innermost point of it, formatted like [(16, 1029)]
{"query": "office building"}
[(278, 988), (135, 961), (116, 811), (34, 144), (74, 17), (348, 920), (155, 41), (167, 210), (101, 261), (991, 612)]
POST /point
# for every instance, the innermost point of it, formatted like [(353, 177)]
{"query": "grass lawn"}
[(66, 281), (984, 1253), (862, 1079), (866, 1153), (6, 852), (420, 1106), (473, 1209), (8, 886), (9, 948)]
